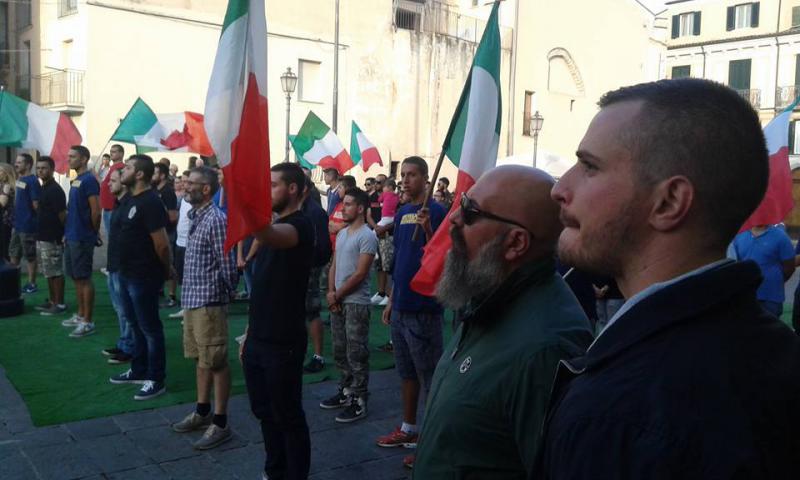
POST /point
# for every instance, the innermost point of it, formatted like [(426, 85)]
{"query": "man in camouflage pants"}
[(349, 301)]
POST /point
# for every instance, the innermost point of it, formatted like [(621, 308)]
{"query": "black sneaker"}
[(356, 410), (337, 401), (170, 303), (110, 352), (315, 365), (150, 389), (127, 377), (47, 305), (386, 347), (120, 358)]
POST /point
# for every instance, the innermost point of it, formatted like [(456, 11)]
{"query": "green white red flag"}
[(24, 124), (362, 150), (318, 145), (163, 132), (236, 118), (471, 143)]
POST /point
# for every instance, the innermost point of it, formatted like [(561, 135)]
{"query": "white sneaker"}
[(240, 339), (72, 321), (82, 330), (178, 314), (104, 271), (384, 302), (376, 299)]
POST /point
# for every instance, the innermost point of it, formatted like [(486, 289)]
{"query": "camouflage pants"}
[(350, 332)]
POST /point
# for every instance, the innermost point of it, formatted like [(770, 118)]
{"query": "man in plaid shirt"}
[(209, 280)]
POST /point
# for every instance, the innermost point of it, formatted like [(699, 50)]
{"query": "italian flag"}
[(471, 143), (26, 125), (777, 202), (319, 146), (164, 132), (236, 118), (362, 151)]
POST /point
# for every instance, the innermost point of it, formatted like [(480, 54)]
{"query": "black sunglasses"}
[(470, 213)]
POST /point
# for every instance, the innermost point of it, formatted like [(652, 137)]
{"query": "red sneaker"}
[(398, 438), (408, 461)]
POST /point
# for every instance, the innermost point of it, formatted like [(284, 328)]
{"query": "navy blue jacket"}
[(694, 382)]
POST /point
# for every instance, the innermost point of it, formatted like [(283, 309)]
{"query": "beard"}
[(279, 204), (464, 279)]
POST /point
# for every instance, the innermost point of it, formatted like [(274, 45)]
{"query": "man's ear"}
[(672, 199), (517, 244)]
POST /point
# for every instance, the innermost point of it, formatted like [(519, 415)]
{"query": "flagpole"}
[(429, 191)]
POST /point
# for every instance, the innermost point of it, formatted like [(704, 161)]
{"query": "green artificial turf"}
[(63, 379)]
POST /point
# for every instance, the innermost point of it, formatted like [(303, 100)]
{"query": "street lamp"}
[(536, 126), (288, 84)]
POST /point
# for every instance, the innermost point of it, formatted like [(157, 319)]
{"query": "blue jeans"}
[(139, 299), (106, 222), (126, 342)]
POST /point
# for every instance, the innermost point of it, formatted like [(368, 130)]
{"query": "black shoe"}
[(170, 303), (315, 365), (356, 410), (337, 401), (386, 347), (110, 352), (120, 358)]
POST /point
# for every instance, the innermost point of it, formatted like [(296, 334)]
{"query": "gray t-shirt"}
[(349, 247)]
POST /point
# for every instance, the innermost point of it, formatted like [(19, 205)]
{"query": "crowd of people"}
[(673, 364)]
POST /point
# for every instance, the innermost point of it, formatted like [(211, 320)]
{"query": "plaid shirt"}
[(209, 275)]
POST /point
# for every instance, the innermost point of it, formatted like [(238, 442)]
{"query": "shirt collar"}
[(200, 211)]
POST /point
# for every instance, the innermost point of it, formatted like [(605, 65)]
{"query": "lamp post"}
[(288, 84), (536, 126)]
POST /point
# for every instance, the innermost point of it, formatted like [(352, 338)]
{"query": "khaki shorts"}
[(22, 245), (385, 254), (50, 258), (205, 336)]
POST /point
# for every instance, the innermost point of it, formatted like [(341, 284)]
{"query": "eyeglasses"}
[(470, 213)]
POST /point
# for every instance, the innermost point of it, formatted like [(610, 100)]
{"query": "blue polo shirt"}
[(768, 250), (78, 227), (28, 191), (408, 258)]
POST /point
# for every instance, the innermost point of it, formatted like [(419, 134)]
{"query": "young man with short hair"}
[(181, 237), (144, 265), (49, 237), (166, 192), (349, 303), (107, 199), (209, 286), (26, 204), (331, 177), (80, 232)]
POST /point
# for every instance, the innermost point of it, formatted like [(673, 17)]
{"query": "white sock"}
[(408, 428)]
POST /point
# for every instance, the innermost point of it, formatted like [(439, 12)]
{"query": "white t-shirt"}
[(183, 223)]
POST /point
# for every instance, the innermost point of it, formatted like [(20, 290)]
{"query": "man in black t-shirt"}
[(374, 213), (49, 236), (275, 341), (143, 266), (166, 192)]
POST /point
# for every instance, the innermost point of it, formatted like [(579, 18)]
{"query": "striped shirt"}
[(209, 275)]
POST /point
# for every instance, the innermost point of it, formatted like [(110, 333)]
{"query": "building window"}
[(527, 112), (795, 17), (794, 142), (686, 24), (67, 7), (23, 8), (742, 16), (23, 84), (739, 74), (309, 81), (408, 14), (4, 44), (683, 71)]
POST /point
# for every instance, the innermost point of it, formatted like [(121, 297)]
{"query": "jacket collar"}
[(672, 305)]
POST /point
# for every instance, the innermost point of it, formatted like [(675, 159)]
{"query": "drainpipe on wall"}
[(703, 49), (777, 57), (512, 84)]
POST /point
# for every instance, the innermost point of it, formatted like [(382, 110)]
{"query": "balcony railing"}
[(62, 90), (442, 19), (752, 95), (784, 96)]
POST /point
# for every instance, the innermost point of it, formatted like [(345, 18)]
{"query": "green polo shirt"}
[(492, 385)]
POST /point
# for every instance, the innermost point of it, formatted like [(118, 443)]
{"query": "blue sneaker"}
[(30, 288), (149, 390), (127, 377)]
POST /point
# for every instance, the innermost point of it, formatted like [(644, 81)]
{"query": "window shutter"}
[(754, 15), (791, 136), (697, 23), (795, 17), (675, 25), (797, 70), (731, 19)]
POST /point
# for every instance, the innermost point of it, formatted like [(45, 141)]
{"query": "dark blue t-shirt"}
[(78, 227), (408, 258), (769, 250), (322, 240), (333, 200), (28, 191)]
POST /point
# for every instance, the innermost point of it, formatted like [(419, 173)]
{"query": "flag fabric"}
[(777, 201), (471, 143), (362, 151), (236, 118), (26, 125), (319, 146), (163, 132)]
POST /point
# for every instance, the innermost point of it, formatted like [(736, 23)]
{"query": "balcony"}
[(752, 95), (62, 91), (784, 96), (442, 19)]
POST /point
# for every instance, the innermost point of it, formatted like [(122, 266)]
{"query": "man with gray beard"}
[(491, 386)]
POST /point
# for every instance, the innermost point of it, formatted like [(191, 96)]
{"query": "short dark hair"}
[(209, 175), (392, 184), (143, 163), (48, 160), (186, 173), (83, 152), (348, 181), (359, 196), (369, 179), (28, 158), (444, 180), (106, 155), (121, 148), (309, 184), (419, 162), (333, 171), (162, 169), (706, 132), (291, 173)]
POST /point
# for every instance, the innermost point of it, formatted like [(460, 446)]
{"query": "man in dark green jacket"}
[(492, 384)]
